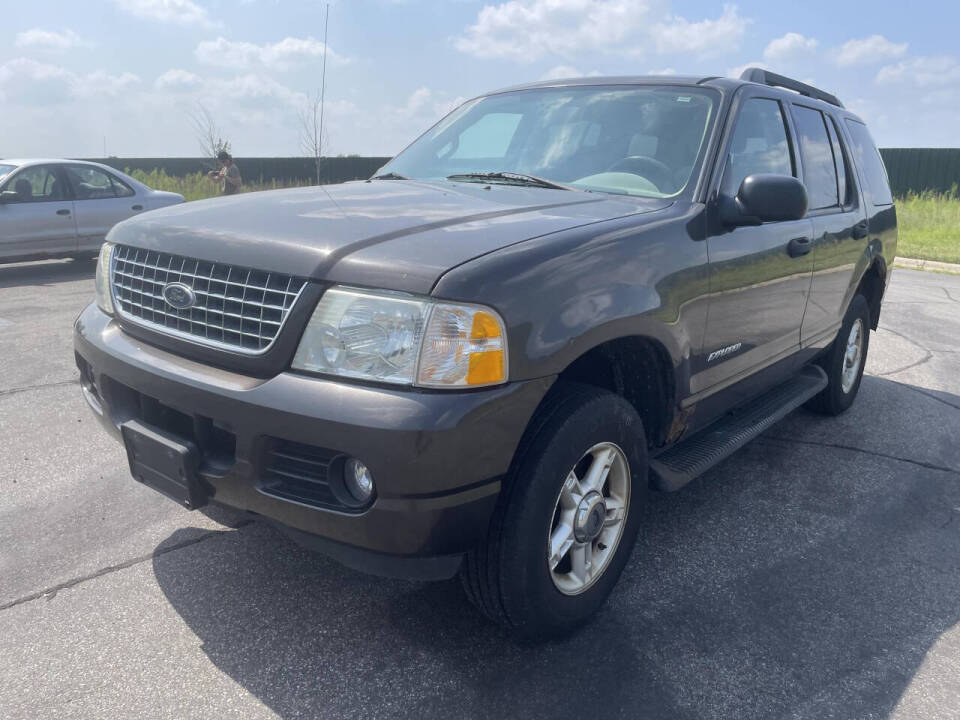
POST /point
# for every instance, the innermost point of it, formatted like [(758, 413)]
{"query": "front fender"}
[(563, 294)]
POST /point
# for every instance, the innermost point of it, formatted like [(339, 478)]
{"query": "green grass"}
[(197, 186), (929, 225)]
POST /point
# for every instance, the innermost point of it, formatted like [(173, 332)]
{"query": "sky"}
[(128, 75)]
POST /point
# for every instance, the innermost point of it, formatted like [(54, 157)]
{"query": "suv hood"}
[(392, 234)]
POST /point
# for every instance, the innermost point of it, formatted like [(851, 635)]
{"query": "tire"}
[(843, 380), (509, 577)]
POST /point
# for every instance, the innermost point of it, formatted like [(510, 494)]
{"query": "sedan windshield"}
[(5, 170), (635, 140)]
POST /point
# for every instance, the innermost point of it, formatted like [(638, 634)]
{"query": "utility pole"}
[(323, 80)]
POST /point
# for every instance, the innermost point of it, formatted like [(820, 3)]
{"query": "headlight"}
[(394, 338), (104, 296)]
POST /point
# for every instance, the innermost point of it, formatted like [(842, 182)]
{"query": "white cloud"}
[(527, 30), (934, 71), (737, 70), (281, 55), (789, 46), (704, 38), (50, 40), (176, 79), (102, 84), (177, 12), (869, 50), (255, 87), (562, 72), (663, 71), (29, 82)]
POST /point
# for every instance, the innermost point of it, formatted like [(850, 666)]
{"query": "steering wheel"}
[(647, 167)]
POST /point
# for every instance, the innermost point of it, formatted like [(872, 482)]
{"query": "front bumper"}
[(437, 457)]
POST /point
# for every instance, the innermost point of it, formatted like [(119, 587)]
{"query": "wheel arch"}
[(639, 369)]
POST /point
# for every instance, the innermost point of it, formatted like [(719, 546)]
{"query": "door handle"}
[(137, 207), (799, 246), (860, 230), (63, 211)]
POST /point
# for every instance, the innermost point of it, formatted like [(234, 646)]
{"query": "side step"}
[(673, 469)]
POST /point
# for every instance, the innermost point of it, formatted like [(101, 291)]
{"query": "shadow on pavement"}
[(47, 272), (794, 579)]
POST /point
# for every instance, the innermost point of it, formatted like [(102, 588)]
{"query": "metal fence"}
[(910, 169), (260, 169), (919, 169)]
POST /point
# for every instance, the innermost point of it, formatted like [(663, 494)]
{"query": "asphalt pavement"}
[(814, 574)]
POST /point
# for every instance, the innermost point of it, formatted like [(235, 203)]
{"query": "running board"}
[(673, 469)]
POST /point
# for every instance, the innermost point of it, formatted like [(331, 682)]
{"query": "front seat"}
[(24, 190)]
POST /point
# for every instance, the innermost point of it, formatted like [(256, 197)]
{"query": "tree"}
[(313, 137), (208, 132)]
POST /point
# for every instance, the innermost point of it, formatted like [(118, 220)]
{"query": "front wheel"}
[(567, 518), (845, 360)]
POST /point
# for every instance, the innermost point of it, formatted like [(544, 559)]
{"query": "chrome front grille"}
[(234, 308)]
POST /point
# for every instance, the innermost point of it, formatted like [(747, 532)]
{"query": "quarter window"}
[(876, 186), (759, 145), (819, 168)]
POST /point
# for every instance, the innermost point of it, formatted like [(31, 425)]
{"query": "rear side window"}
[(759, 145), (844, 181), (867, 157), (816, 152)]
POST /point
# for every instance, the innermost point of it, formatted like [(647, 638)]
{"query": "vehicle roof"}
[(713, 81), (23, 162)]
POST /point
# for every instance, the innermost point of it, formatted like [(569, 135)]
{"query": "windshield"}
[(5, 170), (629, 140)]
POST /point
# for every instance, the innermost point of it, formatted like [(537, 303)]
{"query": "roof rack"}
[(765, 77)]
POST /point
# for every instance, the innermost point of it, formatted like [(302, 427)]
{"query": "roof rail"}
[(765, 77)]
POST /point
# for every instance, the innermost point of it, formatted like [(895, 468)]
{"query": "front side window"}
[(876, 187), (759, 145), (644, 141), (819, 167), (35, 184), (90, 183)]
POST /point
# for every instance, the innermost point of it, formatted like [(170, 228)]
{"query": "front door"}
[(39, 220), (759, 283)]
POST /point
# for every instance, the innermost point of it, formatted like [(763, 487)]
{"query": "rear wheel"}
[(567, 518), (845, 360)]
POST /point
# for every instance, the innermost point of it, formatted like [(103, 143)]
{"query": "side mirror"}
[(765, 198), (9, 196)]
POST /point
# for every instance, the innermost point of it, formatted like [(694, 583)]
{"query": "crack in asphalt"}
[(947, 293), (26, 388), (925, 359), (840, 446), (932, 396), (51, 592)]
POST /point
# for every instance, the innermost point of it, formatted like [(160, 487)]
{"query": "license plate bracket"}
[(164, 462)]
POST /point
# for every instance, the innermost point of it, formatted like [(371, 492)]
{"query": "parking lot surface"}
[(814, 574)]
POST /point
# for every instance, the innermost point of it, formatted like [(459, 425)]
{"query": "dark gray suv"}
[(560, 297)]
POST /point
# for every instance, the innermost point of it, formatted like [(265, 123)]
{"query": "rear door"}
[(839, 221), (758, 290), (40, 220), (102, 200)]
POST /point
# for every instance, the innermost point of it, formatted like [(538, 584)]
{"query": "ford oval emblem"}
[(179, 296)]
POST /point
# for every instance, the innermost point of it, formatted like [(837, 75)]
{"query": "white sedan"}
[(62, 208)]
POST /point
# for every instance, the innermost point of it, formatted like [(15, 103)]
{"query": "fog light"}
[(358, 479)]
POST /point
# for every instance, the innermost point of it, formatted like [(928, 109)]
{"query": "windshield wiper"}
[(390, 176), (514, 178)]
